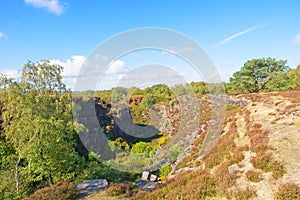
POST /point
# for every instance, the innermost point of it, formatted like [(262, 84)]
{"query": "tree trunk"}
[(50, 180)]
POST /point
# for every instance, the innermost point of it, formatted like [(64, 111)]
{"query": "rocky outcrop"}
[(87, 187), (224, 99), (145, 185)]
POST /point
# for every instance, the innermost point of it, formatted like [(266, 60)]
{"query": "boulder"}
[(89, 186), (145, 185), (145, 176), (153, 178)]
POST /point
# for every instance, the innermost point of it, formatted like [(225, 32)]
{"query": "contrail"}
[(226, 40)]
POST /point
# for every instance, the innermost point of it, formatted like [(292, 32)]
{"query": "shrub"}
[(243, 194), (254, 176), (165, 170), (141, 148), (288, 191), (265, 162), (118, 189), (174, 152), (148, 101), (60, 190)]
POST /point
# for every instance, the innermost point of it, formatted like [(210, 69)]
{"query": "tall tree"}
[(38, 123), (257, 74), (295, 77)]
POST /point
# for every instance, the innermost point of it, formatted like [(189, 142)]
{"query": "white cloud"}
[(3, 35), (10, 73), (228, 39), (53, 6), (71, 66), (297, 39), (117, 67), (101, 58)]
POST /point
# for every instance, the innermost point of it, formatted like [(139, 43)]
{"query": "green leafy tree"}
[(38, 123), (295, 77), (148, 101), (200, 87), (118, 94), (257, 75)]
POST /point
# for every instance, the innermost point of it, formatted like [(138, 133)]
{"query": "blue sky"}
[(67, 31)]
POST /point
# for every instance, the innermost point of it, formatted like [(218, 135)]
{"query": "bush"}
[(254, 176), (288, 191), (148, 101), (60, 190), (174, 152), (243, 194), (165, 170), (141, 148), (265, 162), (118, 189)]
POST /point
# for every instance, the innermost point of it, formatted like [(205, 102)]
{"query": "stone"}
[(145, 175), (153, 178), (145, 185), (89, 186)]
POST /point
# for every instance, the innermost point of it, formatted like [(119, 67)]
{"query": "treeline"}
[(257, 75)]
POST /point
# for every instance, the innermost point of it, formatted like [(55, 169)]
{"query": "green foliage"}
[(142, 148), (294, 74), (136, 114), (265, 162), (181, 89), (265, 74), (148, 101), (200, 87), (39, 126), (165, 170), (174, 152), (119, 94), (104, 94), (162, 92)]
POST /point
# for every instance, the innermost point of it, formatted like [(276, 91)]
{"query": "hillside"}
[(256, 157)]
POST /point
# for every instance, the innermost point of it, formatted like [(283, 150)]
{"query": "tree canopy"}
[(264, 74), (295, 77), (38, 126)]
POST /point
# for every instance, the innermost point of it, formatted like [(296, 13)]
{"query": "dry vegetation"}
[(246, 162)]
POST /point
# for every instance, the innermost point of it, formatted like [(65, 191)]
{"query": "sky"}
[(67, 32)]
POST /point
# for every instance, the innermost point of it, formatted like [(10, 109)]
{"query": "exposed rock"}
[(145, 185), (90, 186), (153, 178), (224, 99), (145, 176)]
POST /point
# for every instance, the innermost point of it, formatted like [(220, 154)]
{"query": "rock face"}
[(145, 185), (87, 187), (145, 175)]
